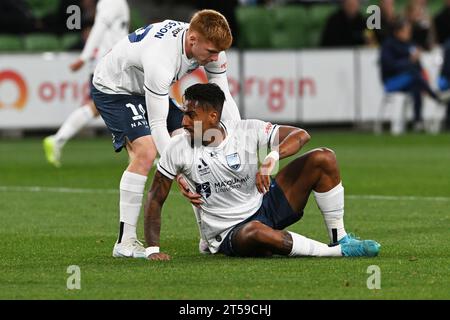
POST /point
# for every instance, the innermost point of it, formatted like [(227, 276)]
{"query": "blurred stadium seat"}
[(136, 19), (69, 40), (434, 7), (10, 43), (290, 28), (295, 26), (255, 25), (282, 27), (317, 18), (397, 103), (41, 42), (42, 8)]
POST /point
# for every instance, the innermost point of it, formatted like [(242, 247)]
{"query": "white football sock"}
[(331, 204), (73, 124), (131, 193), (302, 246)]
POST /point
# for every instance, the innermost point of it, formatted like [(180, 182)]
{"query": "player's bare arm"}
[(157, 195), (291, 140)]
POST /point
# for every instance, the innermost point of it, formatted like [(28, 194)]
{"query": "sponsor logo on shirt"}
[(203, 189), (233, 161), (227, 185)]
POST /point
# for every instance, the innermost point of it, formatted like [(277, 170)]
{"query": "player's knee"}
[(325, 157), (144, 158), (253, 232)]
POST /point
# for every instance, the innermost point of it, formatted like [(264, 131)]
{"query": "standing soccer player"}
[(112, 19), (131, 92)]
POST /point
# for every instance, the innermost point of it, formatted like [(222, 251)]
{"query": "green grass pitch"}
[(397, 192)]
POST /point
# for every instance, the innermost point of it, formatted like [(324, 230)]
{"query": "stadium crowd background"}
[(33, 26), (38, 25)]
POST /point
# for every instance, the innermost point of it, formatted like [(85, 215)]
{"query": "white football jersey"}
[(151, 58), (223, 175), (112, 19)]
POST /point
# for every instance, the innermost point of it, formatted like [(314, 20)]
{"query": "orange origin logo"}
[(9, 75)]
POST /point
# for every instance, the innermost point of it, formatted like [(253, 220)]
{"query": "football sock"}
[(131, 193), (74, 123), (302, 246), (331, 204)]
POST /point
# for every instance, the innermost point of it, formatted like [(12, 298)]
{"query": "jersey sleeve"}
[(217, 68), (217, 73), (170, 163), (157, 111), (158, 75), (265, 132), (157, 78), (158, 68)]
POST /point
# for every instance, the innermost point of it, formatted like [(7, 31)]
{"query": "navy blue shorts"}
[(275, 212), (126, 116)]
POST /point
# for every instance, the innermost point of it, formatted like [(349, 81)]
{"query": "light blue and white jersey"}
[(223, 175)]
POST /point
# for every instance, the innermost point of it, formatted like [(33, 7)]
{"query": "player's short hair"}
[(206, 95), (213, 26)]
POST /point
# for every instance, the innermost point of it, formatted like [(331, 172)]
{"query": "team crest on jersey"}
[(233, 161), (203, 189)]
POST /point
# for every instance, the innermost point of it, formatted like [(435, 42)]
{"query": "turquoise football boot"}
[(360, 248)]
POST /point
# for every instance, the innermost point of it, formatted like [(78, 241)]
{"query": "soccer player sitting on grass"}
[(243, 211)]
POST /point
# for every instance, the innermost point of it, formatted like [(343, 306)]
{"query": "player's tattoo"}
[(160, 187), (155, 200), (287, 241)]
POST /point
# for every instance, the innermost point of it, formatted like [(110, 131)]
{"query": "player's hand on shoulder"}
[(194, 198), (159, 256), (75, 66)]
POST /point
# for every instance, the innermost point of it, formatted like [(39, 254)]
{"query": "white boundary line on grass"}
[(394, 198), (53, 189), (115, 191)]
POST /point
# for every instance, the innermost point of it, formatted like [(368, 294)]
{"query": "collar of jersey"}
[(183, 49), (224, 142)]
